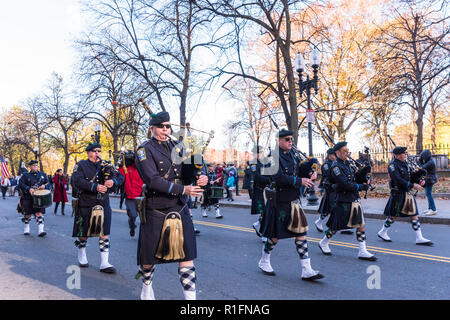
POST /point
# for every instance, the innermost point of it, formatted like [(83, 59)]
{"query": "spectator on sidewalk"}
[(4, 185), (50, 181), (230, 185), (427, 162), (132, 188), (59, 192), (232, 168), (12, 187)]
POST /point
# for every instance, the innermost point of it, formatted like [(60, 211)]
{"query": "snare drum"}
[(42, 198), (216, 193)]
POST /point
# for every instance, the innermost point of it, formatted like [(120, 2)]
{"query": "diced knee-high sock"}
[(361, 236), (147, 274), (269, 245), (187, 277), (302, 248)]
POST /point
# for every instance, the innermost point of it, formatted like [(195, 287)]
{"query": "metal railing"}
[(381, 158)]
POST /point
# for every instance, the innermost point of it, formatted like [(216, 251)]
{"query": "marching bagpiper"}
[(329, 196), (166, 233), (93, 180), (257, 184), (283, 216), (347, 213), (402, 202)]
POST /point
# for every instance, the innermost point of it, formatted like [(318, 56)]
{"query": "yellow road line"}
[(332, 242), (343, 244)]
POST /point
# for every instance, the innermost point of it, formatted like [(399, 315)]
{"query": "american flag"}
[(5, 172)]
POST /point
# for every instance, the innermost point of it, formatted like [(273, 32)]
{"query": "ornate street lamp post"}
[(306, 86), (97, 130), (35, 150)]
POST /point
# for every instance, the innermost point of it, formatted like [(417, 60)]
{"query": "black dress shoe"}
[(268, 273), (428, 244), (196, 231), (387, 240), (325, 253), (372, 258), (42, 234), (108, 270), (132, 233), (81, 265), (313, 278)]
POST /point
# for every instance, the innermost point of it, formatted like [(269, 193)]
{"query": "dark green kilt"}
[(326, 203), (208, 201), (340, 215), (83, 215), (395, 204), (257, 201), (275, 221), (150, 233), (27, 207)]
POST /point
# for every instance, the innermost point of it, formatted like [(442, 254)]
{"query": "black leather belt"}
[(88, 196)]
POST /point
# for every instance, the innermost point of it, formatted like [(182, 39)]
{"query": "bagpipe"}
[(126, 159), (361, 167), (363, 173), (192, 162), (417, 174)]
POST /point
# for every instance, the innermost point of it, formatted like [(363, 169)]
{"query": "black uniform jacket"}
[(287, 179), (160, 174), (343, 176), (32, 180), (400, 176), (83, 178)]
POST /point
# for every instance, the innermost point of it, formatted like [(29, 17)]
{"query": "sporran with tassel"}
[(171, 242), (96, 222), (356, 218), (409, 206), (297, 222)]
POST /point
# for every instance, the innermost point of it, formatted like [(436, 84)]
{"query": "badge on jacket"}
[(336, 171), (141, 154)]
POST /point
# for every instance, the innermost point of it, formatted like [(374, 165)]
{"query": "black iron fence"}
[(381, 158)]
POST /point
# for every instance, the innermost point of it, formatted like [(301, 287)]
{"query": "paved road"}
[(36, 268)]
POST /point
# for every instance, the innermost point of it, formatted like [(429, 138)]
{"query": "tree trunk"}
[(66, 162), (11, 162), (419, 124), (433, 123)]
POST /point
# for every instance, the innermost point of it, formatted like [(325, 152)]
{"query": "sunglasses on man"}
[(160, 126), (96, 150), (289, 139)]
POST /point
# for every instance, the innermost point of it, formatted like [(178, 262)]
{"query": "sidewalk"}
[(373, 208)]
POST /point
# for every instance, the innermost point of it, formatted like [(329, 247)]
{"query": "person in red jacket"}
[(133, 189), (59, 193)]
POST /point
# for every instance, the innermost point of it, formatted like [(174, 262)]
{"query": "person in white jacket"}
[(5, 183)]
